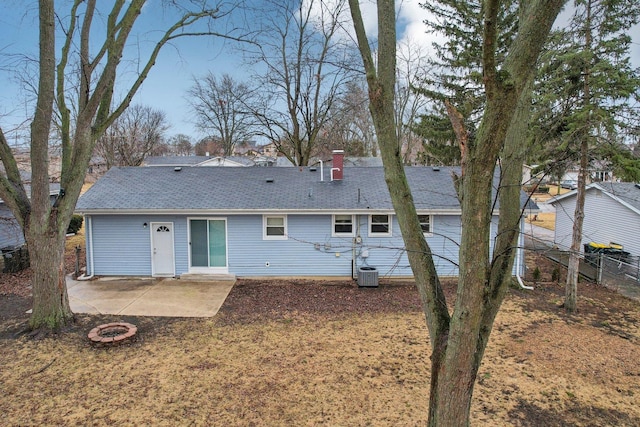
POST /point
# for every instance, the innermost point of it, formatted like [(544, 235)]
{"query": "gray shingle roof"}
[(174, 160), (134, 189), (627, 192)]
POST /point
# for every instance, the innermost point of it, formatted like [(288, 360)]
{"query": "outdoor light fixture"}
[(144, 225)]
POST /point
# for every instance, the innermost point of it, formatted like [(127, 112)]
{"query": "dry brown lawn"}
[(306, 354), (546, 219)]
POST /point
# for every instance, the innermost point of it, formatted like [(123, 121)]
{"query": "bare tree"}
[(181, 145), (223, 109), (412, 69), (304, 59), (350, 127), (45, 223), (137, 133), (459, 339)]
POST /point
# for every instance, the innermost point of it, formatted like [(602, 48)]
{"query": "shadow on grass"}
[(530, 414)]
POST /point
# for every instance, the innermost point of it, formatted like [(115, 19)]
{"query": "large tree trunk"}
[(455, 379), (573, 270), (44, 238), (458, 341), (50, 303)]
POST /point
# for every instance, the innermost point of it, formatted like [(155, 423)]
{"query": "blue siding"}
[(296, 256), (121, 246)]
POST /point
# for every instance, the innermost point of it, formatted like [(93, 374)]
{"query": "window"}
[(380, 225), (343, 225), (275, 227), (425, 223)]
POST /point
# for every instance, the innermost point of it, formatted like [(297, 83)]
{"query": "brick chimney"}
[(337, 165)]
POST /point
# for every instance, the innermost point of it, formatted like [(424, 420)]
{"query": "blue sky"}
[(169, 80)]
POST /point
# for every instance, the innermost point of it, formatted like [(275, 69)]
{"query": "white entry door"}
[(162, 261)]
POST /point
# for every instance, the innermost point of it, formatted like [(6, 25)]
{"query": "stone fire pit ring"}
[(112, 333)]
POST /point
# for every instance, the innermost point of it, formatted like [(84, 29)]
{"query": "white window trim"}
[(264, 228), (333, 226), (388, 234), (430, 233)]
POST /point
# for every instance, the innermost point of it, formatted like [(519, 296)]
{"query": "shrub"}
[(542, 189), (537, 274), (75, 224)]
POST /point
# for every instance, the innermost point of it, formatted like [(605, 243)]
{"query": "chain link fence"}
[(617, 272), (620, 273)]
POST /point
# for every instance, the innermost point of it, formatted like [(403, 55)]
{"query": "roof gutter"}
[(256, 211)]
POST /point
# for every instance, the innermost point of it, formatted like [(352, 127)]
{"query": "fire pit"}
[(112, 333)]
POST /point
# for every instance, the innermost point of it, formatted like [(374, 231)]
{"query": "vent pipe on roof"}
[(337, 165)]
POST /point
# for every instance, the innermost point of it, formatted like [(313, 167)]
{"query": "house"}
[(611, 214), (598, 171), (258, 222), (97, 168), (232, 161), (269, 150), (10, 231)]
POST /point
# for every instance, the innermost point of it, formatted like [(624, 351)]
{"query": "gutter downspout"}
[(356, 240), (89, 222), (519, 263)]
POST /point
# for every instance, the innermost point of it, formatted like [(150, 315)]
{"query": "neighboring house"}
[(599, 171), (269, 150), (611, 214), (233, 161), (532, 176), (256, 222), (10, 231), (97, 168)]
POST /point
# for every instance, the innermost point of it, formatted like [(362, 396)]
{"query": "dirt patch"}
[(252, 300)]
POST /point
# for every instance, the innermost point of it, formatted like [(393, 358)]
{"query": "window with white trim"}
[(425, 224), (379, 225), (274, 227), (343, 225)]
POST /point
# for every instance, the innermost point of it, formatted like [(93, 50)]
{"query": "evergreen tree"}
[(585, 88), (457, 69), (584, 98)]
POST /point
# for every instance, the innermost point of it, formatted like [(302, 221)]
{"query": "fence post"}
[(78, 248), (600, 268)]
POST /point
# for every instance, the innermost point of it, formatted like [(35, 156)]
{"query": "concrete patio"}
[(148, 296)]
